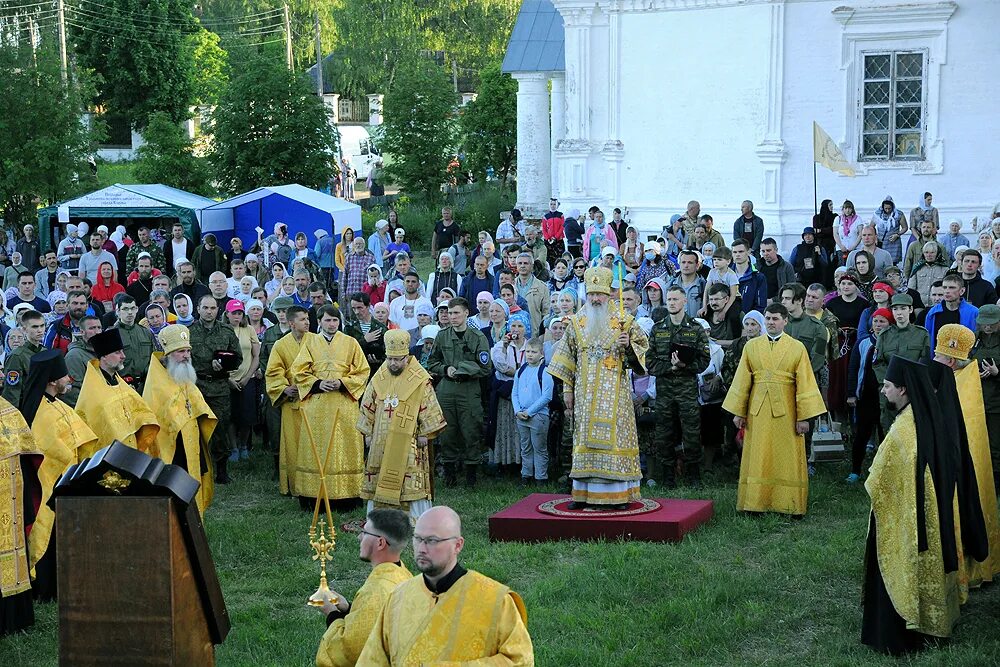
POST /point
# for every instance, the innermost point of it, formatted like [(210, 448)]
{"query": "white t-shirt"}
[(404, 312), (729, 279), (234, 286), (180, 249)]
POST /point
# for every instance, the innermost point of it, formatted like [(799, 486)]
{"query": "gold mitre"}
[(598, 280), (174, 337), (397, 343), (955, 341)]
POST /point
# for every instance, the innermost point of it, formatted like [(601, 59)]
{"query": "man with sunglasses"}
[(382, 539), (448, 615)]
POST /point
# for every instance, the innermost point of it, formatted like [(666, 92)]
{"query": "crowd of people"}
[(562, 351)]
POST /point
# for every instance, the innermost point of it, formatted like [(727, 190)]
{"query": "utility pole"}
[(63, 60), (319, 57), (288, 38)]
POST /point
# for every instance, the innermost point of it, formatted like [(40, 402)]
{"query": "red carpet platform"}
[(543, 517)]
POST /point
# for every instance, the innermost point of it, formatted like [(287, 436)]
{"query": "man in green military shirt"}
[(806, 329), (272, 415), (678, 352), (461, 356), (16, 365), (987, 352), (906, 340), (209, 337), (138, 342)]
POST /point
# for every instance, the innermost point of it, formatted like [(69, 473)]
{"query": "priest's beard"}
[(181, 371), (597, 321)]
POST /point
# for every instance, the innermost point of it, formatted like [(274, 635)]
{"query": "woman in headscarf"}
[(155, 320), (568, 302), (653, 265), (753, 326), (847, 231), (823, 224), (481, 318), (393, 288), (925, 211), (991, 263), (985, 240), (482, 238), (380, 311), (374, 285), (13, 339), (499, 312), (287, 287), (560, 276), (59, 305), (507, 355), (890, 225), (273, 286), (106, 286), (12, 272), (255, 318), (864, 264), (184, 309)]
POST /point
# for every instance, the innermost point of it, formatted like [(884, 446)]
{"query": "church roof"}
[(537, 43)]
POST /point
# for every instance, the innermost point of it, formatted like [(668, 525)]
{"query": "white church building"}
[(647, 104)]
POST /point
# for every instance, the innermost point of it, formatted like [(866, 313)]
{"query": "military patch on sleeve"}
[(483, 358), (13, 378)]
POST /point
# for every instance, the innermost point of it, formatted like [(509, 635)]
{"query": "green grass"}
[(740, 591)]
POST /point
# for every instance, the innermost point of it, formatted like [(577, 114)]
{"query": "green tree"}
[(419, 127), (271, 128), (167, 158), (489, 125), (211, 64), (43, 144), (142, 51)]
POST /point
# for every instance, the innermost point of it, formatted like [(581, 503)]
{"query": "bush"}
[(167, 157)]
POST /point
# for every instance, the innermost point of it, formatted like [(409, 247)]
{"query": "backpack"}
[(283, 254), (541, 369)]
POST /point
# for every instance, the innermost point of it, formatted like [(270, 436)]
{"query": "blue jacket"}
[(753, 290), (324, 251), (573, 231), (472, 286), (856, 367), (966, 317), (527, 395)]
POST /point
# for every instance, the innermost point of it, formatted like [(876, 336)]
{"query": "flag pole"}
[(815, 205)]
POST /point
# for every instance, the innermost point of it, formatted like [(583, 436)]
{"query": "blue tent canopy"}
[(302, 209)]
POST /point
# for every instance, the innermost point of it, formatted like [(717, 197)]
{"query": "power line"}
[(37, 4), (140, 39), (113, 23), (249, 18)]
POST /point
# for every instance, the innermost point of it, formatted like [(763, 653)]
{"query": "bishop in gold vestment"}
[(331, 373), (593, 359), (283, 394), (773, 391), (186, 421), (399, 412), (109, 406)]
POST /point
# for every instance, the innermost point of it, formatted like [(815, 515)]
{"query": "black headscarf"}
[(45, 367)]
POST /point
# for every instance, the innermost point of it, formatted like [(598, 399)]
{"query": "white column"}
[(558, 121), (375, 109), (332, 102), (534, 175)]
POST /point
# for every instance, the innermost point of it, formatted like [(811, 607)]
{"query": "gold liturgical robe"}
[(921, 592), (970, 394), (330, 418), (115, 413), (182, 413), (345, 637), (605, 440), (62, 435), (774, 387), (477, 621), (395, 409), (277, 378), (15, 442)]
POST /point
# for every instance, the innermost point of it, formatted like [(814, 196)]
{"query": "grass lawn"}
[(741, 591)]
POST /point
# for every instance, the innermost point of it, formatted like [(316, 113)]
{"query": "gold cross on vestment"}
[(405, 416)]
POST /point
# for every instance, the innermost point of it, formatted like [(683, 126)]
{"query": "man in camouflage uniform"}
[(144, 244), (210, 335), (987, 353), (461, 356), (138, 342), (906, 340), (672, 338), (805, 328), (272, 415), (813, 304), (17, 364)]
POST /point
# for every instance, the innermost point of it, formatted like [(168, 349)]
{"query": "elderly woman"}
[(507, 355), (890, 225), (481, 319), (445, 276), (380, 312), (58, 302), (991, 263), (354, 273), (11, 273), (155, 319)]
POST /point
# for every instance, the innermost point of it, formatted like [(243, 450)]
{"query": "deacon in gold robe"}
[(60, 435), (18, 456), (331, 372), (284, 395), (186, 421), (448, 615), (109, 406), (954, 344), (382, 540), (592, 359), (911, 590), (773, 397), (399, 413)]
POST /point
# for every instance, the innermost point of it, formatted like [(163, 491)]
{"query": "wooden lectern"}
[(137, 585)]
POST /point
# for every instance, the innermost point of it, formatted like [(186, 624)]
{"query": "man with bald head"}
[(218, 286), (448, 614)]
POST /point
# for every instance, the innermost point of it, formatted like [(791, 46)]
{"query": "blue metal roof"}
[(537, 43)]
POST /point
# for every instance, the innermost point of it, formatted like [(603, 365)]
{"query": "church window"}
[(892, 106)]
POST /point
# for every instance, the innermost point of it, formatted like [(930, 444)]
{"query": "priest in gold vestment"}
[(954, 344), (601, 344), (448, 615), (186, 421), (60, 434), (284, 394), (773, 396), (109, 406), (331, 373), (399, 413)]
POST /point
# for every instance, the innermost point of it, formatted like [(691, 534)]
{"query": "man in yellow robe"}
[(399, 413), (60, 434), (592, 359), (954, 344), (382, 539), (773, 397), (331, 373), (448, 615), (284, 395), (109, 406), (186, 421), (18, 454)]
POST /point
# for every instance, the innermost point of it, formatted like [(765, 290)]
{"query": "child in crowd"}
[(722, 273), (530, 397)]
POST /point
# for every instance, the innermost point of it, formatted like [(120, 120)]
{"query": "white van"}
[(357, 146)]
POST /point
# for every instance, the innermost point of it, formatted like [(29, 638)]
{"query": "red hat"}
[(883, 312), (234, 305), (885, 287)]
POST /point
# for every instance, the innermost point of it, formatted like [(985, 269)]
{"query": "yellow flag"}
[(828, 154)]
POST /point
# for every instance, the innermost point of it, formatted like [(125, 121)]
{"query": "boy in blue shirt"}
[(530, 397)]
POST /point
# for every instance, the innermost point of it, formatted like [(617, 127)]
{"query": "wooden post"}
[(319, 57)]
